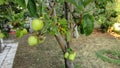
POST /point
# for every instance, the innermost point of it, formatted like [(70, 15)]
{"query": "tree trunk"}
[(62, 42), (63, 45), (68, 63), (69, 8)]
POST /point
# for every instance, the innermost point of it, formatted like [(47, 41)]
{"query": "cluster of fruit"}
[(20, 33), (70, 54), (37, 25)]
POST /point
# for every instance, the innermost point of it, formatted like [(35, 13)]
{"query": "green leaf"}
[(2, 2), (80, 29), (63, 21), (17, 33), (69, 50), (73, 2), (21, 3), (53, 30), (88, 24), (60, 1), (32, 8), (40, 7), (86, 2), (26, 2), (78, 4), (19, 16)]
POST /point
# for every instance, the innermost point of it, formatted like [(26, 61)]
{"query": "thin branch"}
[(66, 10), (61, 42)]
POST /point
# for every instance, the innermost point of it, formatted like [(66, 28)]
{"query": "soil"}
[(49, 54)]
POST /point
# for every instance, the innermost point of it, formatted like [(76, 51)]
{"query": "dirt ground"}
[(49, 54)]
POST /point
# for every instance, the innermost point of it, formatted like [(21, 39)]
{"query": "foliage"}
[(59, 16), (114, 54), (36, 10), (11, 16), (105, 14), (87, 24)]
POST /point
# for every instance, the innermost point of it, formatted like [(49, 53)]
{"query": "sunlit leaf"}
[(63, 21), (40, 7), (26, 2), (86, 2), (2, 2), (88, 24), (21, 3), (77, 3), (32, 8)]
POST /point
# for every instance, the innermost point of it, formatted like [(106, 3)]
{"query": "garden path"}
[(8, 54)]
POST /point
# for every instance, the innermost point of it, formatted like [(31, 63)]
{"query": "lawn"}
[(49, 54)]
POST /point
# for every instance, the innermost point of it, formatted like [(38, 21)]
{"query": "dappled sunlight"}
[(114, 30)]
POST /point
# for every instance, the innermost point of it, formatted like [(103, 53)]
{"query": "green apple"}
[(24, 31), (2, 35), (72, 56), (66, 55), (37, 24), (19, 33), (116, 27), (32, 41)]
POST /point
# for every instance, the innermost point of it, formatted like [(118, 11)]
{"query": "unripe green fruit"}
[(32, 41), (2, 35), (24, 31), (72, 56), (37, 24), (21, 34), (66, 55)]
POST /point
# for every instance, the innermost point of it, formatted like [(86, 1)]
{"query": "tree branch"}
[(61, 42)]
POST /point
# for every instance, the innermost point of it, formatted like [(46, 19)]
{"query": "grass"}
[(111, 56), (49, 54)]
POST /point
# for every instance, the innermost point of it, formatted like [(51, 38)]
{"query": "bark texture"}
[(63, 45), (68, 64)]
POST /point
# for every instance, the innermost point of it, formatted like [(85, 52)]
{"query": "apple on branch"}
[(37, 24), (24, 31), (32, 40), (66, 55), (72, 56)]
